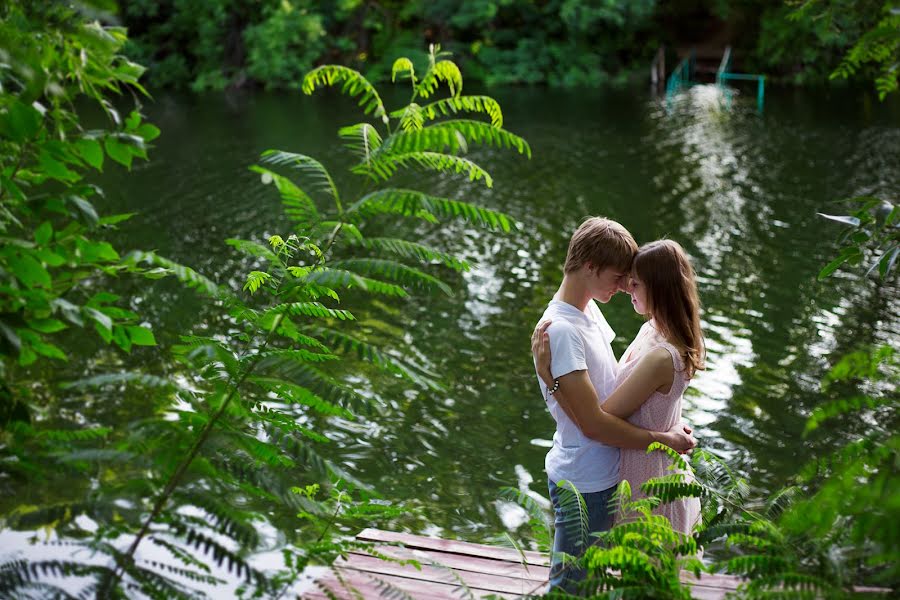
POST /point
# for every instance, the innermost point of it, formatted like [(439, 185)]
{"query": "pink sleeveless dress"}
[(659, 413)]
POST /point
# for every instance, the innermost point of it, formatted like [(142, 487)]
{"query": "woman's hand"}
[(540, 350)]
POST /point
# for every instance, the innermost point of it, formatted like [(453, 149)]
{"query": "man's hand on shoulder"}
[(678, 438)]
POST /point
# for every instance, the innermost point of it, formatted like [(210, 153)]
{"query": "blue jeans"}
[(568, 539)]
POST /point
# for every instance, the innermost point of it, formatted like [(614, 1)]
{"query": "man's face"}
[(607, 282)]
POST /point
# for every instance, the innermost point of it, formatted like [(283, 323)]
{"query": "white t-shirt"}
[(580, 340)]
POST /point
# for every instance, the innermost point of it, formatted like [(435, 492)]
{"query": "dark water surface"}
[(739, 190)]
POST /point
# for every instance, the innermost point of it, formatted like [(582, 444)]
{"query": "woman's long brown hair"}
[(665, 269)]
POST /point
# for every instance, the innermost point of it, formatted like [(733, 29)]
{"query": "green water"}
[(739, 190)]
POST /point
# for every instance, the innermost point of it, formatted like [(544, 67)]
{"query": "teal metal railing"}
[(723, 75), (681, 78)]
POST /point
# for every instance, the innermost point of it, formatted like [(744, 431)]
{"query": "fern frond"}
[(403, 66), (454, 136), (361, 139), (309, 168), (340, 278), (255, 280), (261, 452), (286, 423), (387, 165), (572, 504), (298, 205), (537, 515), (221, 555), (185, 275), (125, 377), (415, 251), (308, 456), (300, 355), (442, 71), (323, 385), (457, 104), (388, 590), (185, 573), (406, 202), (411, 117), (354, 85), (310, 309), (678, 461), (344, 342), (402, 274), (254, 249), (755, 565), (291, 393), (672, 487), (57, 435)]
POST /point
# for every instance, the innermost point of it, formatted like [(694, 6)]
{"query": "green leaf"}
[(253, 249), (403, 274), (48, 256), (311, 309), (298, 205), (413, 250), (43, 234), (387, 165), (26, 356), (148, 131), (308, 167), (118, 151), (354, 85), (115, 219), (93, 252), (414, 203), (85, 208), (140, 336), (445, 71), (21, 122), (255, 279), (46, 325), (56, 169), (846, 254), (334, 278), (91, 151), (481, 104), (133, 120), (403, 66), (29, 271)]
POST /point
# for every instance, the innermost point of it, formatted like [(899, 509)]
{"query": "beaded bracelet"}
[(555, 388)]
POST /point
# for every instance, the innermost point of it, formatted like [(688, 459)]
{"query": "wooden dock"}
[(449, 567)]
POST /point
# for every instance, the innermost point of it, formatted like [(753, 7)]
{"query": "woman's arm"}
[(654, 372), (578, 398)]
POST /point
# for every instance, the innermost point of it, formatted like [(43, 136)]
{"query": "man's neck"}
[(574, 291)]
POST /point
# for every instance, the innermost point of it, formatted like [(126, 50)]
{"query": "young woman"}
[(657, 367)]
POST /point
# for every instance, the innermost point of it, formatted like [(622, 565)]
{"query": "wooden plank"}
[(465, 563), (456, 547), (367, 585), (474, 581)]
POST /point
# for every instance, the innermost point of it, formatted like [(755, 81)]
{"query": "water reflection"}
[(737, 189)]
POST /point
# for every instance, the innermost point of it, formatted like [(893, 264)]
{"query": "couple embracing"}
[(607, 412)]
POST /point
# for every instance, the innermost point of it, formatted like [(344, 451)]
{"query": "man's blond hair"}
[(602, 243)]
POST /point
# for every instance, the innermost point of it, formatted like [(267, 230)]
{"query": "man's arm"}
[(577, 396)]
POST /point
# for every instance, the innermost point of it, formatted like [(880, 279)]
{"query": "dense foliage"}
[(223, 455), (211, 44)]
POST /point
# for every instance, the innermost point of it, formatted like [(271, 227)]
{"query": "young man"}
[(586, 444)]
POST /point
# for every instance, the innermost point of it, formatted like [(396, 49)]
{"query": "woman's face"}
[(638, 292)]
